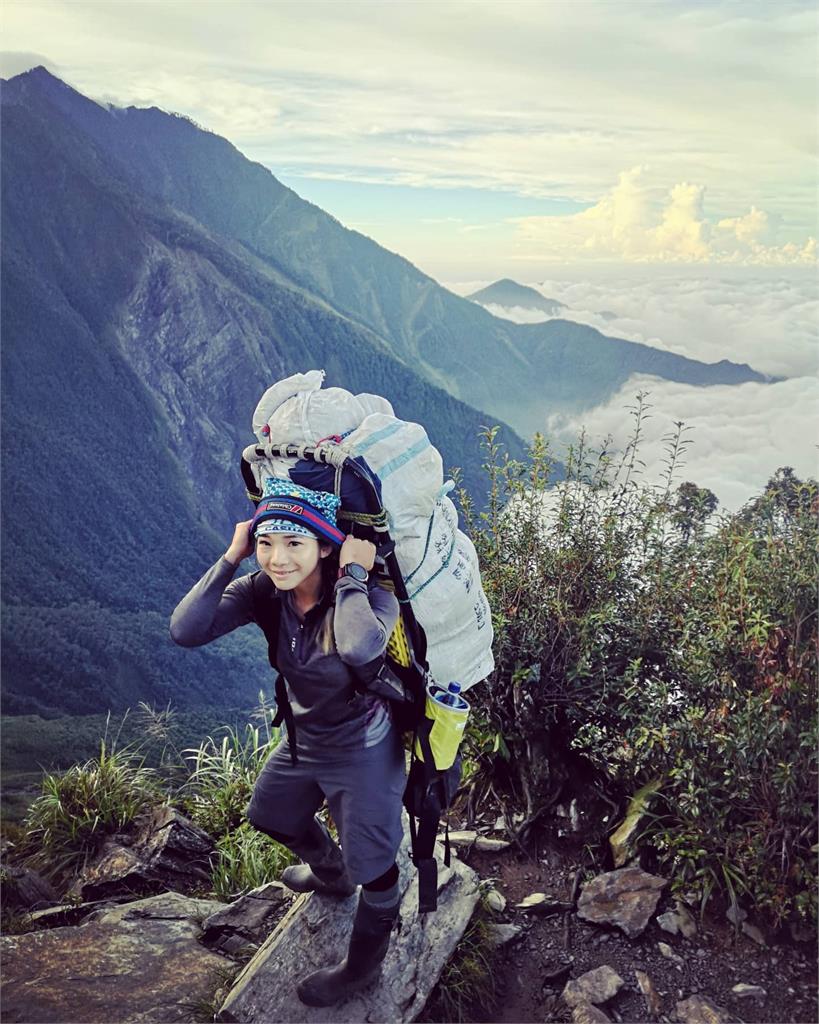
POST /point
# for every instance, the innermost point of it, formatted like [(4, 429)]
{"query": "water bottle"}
[(451, 697)]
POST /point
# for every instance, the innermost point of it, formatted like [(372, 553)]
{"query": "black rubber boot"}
[(362, 965), (324, 871)]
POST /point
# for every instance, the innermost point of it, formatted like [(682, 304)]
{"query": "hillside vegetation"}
[(644, 640)]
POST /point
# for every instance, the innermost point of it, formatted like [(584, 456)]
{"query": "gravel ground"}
[(714, 961)]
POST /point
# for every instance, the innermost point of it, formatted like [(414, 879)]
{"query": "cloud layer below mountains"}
[(740, 435)]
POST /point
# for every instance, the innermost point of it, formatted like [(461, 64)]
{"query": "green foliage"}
[(640, 636), (212, 782), (222, 774), (69, 821), (467, 985), (246, 859), (221, 778)]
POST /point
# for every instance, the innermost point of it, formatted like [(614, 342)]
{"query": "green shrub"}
[(77, 809), (467, 986), (639, 636)]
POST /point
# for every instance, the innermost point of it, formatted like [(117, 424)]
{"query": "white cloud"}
[(635, 223), (766, 320), (740, 435)]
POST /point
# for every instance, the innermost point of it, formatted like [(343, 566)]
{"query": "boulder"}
[(315, 933), (138, 962), (678, 921), (24, 890), (626, 898), (701, 1010), (588, 1013), (247, 921), (502, 934), (622, 840), (166, 852), (597, 986)]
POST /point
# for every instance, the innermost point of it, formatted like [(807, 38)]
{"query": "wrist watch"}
[(356, 571)]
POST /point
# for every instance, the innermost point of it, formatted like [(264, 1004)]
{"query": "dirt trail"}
[(712, 962)]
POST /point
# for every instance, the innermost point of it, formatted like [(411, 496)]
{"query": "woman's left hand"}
[(362, 552)]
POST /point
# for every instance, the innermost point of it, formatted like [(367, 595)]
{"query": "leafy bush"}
[(69, 821), (640, 637)]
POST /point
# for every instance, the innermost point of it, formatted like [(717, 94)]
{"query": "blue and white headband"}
[(289, 508)]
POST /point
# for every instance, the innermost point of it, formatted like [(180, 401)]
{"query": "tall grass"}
[(78, 809)]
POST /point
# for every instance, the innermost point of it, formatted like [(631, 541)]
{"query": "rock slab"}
[(166, 852), (626, 898), (597, 986), (140, 962), (315, 933), (247, 921), (700, 1010)]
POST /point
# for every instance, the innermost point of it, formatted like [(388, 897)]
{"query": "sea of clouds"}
[(740, 434)]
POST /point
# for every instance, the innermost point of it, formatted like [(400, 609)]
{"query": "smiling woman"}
[(333, 620)]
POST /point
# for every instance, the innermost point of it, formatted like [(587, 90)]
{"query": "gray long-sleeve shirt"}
[(327, 710)]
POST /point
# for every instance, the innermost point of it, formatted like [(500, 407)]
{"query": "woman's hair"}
[(329, 574)]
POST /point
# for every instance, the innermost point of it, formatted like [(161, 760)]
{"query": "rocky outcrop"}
[(139, 962), (314, 934), (625, 898), (246, 923), (24, 890), (165, 852)]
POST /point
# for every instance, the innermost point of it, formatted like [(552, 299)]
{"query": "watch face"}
[(358, 572)]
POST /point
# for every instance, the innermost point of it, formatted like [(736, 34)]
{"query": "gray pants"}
[(363, 788)]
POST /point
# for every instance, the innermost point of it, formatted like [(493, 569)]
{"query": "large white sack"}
[(444, 585), (409, 467), (299, 410), (281, 392)]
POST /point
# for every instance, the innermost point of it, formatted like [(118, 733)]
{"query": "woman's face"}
[(291, 559)]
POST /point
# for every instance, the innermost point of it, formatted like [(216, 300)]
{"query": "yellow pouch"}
[(447, 731)]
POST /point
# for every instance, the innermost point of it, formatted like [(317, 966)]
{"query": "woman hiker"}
[(334, 621)]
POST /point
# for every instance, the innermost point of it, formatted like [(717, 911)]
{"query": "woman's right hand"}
[(242, 544)]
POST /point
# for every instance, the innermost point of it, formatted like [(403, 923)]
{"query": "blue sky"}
[(490, 137)]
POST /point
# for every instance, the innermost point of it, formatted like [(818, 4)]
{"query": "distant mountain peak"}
[(509, 293)]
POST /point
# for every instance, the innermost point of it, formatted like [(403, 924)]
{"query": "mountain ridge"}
[(445, 338)]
